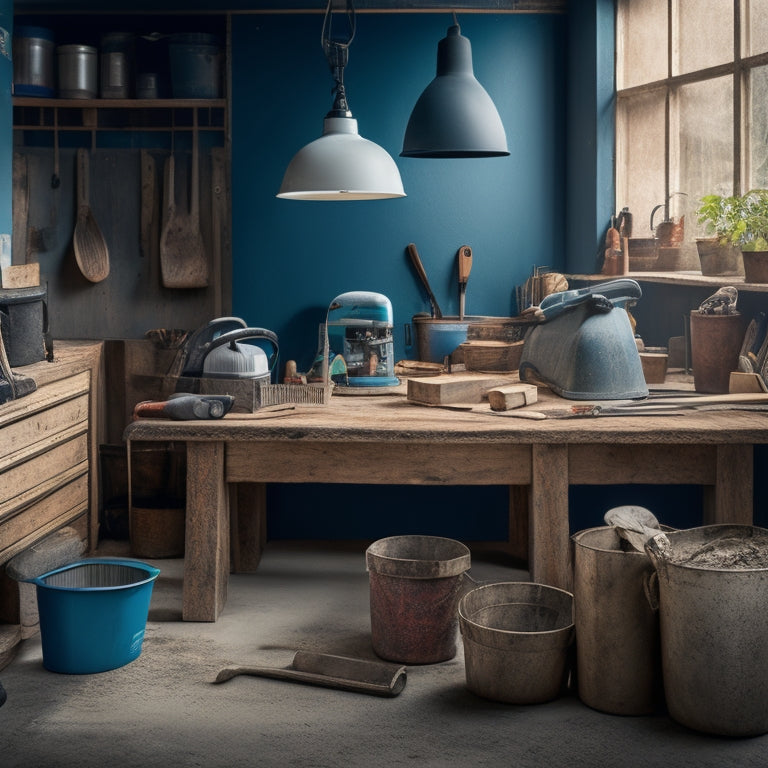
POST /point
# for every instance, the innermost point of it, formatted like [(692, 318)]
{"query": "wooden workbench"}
[(404, 443)]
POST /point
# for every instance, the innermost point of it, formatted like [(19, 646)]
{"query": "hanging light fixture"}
[(341, 164), (454, 116)]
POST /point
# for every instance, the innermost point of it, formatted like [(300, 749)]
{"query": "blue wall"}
[(291, 258)]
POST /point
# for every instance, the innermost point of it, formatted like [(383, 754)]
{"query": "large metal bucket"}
[(415, 585), (713, 615), (516, 641), (617, 631)]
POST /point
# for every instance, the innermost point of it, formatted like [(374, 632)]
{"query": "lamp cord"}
[(337, 51)]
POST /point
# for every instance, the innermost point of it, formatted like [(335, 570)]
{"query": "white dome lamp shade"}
[(341, 164), (454, 116)]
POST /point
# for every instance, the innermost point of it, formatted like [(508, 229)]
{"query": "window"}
[(692, 106)]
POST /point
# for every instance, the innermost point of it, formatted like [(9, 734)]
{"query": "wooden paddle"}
[(183, 261), (90, 248)]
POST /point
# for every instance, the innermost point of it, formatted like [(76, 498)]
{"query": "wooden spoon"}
[(91, 250), (183, 260)]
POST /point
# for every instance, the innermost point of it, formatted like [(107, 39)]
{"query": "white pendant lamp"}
[(454, 116), (341, 164)]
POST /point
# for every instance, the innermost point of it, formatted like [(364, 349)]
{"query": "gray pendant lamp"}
[(341, 164), (454, 116)]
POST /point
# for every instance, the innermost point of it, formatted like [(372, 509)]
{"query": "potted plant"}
[(750, 234), (718, 253)]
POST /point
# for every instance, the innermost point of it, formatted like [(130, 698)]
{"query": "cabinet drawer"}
[(47, 515), (23, 484)]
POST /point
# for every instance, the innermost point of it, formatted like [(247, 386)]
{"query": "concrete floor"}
[(163, 710)]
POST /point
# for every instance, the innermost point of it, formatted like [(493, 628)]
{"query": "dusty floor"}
[(163, 710)]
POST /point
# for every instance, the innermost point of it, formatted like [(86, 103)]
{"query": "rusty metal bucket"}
[(516, 641), (415, 585), (713, 593), (617, 631)]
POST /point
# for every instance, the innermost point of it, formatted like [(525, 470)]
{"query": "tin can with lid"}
[(33, 62), (78, 71), (116, 65)]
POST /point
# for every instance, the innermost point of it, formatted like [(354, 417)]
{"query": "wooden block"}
[(487, 356), (455, 388), (21, 276), (512, 396), (746, 382)]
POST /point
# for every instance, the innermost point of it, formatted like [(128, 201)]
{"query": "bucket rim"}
[(665, 563), (151, 571), (415, 568), (576, 539), (464, 619)]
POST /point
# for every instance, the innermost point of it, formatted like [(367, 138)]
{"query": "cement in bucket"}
[(516, 641), (415, 584), (617, 630), (713, 593)]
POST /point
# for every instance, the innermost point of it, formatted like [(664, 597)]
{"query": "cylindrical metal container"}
[(33, 62), (116, 65), (715, 344), (78, 71), (713, 593), (617, 653), (516, 637), (415, 585)]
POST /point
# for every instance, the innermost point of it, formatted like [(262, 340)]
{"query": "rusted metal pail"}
[(516, 641), (617, 631), (713, 621), (415, 584)]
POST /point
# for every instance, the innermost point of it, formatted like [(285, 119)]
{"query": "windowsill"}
[(693, 279)]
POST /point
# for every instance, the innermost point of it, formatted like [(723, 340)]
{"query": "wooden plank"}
[(613, 464), (550, 551), (49, 514), (21, 276), (28, 437), (30, 480), (46, 396), (456, 388), (248, 525), (379, 463), (206, 557), (731, 500)]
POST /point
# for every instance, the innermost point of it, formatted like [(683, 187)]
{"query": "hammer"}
[(185, 407)]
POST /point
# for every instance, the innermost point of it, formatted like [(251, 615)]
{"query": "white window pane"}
[(641, 41), (757, 141), (702, 143), (640, 158), (755, 27), (704, 34)]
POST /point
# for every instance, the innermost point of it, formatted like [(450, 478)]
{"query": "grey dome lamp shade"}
[(454, 116), (341, 164)]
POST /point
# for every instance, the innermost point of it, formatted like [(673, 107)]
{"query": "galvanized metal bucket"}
[(617, 631), (516, 641), (415, 585), (713, 614)]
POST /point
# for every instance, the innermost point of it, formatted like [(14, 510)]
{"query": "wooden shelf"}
[(692, 279), (36, 101)]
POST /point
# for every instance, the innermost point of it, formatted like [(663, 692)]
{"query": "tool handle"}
[(416, 261), (150, 409), (464, 256)]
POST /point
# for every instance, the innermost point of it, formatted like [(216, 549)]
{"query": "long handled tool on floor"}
[(359, 675)]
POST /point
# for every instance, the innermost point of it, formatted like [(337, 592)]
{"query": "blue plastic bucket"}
[(195, 60), (93, 614)]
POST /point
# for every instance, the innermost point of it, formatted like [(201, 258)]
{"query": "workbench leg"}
[(206, 556), (731, 498), (549, 536), (248, 522)]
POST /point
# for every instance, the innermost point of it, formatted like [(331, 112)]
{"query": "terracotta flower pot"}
[(717, 259), (755, 266), (715, 344)]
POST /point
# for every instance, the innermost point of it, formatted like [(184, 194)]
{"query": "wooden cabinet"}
[(49, 450)]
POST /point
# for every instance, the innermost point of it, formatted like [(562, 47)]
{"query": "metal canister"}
[(78, 71), (116, 65), (33, 61)]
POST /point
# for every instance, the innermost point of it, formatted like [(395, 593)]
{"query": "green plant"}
[(741, 221)]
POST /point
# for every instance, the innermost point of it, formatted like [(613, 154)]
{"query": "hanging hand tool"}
[(185, 407), (420, 271), (464, 258)]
